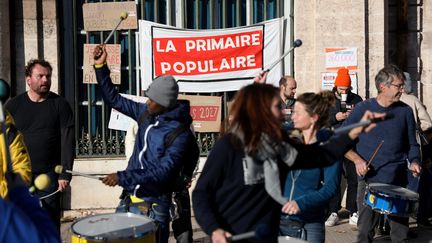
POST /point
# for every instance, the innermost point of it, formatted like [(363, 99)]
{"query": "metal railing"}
[(94, 139)]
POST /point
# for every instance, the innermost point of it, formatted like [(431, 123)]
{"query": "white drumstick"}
[(59, 169), (49, 195)]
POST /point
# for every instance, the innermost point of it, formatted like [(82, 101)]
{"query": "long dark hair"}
[(251, 114)]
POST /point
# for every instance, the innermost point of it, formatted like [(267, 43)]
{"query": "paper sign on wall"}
[(113, 61), (341, 57), (328, 79)]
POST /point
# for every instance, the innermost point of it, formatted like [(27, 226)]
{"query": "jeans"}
[(350, 174), (182, 226), (312, 232), (368, 220), (425, 193), (158, 211)]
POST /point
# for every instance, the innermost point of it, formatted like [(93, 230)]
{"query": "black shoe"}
[(424, 224), (383, 231), (412, 234)]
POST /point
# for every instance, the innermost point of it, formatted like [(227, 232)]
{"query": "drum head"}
[(287, 239), (114, 226), (393, 191)]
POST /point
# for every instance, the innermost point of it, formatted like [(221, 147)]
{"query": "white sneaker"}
[(353, 219), (332, 220)]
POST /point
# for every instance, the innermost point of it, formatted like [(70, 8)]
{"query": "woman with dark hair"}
[(309, 190), (239, 189)]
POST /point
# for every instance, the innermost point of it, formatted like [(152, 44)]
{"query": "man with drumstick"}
[(388, 164), (155, 165)]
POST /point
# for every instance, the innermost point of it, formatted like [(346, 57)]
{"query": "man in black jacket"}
[(345, 102)]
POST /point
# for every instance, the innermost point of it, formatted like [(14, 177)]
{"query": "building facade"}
[(383, 32)]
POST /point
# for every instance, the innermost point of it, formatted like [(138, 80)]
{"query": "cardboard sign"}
[(119, 121), (205, 111), (106, 16), (113, 61), (341, 57)]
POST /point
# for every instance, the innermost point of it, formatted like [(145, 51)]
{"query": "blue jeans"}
[(312, 232), (158, 211)]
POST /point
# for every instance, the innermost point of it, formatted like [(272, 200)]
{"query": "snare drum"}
[(287, 239), (390, 199), (114, 228)]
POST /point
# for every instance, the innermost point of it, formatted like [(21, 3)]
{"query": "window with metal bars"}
[(94, 139)]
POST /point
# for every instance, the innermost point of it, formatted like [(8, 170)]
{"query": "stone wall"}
[(36, 36), (364, 25), (426, 54), (337, 23), (4, 42)]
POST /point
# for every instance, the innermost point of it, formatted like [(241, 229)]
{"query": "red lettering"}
[(204, 113)]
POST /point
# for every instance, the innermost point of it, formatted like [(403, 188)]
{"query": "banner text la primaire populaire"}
[(222, 53)]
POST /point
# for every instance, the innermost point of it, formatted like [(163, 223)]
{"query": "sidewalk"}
[(341, 233)]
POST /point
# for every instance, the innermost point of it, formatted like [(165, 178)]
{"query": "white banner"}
[(210, 60)]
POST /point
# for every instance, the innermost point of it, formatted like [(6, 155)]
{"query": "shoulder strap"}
[(169, 139)]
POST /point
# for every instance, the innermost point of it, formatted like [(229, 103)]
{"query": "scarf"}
[(263, 166)]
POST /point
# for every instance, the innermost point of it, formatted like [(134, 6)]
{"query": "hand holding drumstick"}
[(362, 167)]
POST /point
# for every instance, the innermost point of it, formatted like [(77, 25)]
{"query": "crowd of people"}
[(275, 170)]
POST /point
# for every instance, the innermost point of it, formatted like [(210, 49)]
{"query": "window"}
[(94, 139)]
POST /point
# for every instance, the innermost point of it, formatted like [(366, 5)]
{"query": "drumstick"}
[(296, 44), (59, 169), (375, 153), (49, 195), (123, 16)]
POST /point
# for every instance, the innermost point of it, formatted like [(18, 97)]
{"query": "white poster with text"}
[(210, 60)]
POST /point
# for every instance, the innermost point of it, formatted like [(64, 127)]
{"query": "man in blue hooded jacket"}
[(153, 167)]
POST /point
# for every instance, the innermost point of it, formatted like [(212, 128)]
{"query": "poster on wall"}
[(119, 121), (336, 58), (105, 16), (210, 60), (113, 62), (328, 79), (206, 112)]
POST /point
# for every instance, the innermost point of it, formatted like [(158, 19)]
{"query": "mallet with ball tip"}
[(41, 182), (123, 16), (59, 169), (296, 43)]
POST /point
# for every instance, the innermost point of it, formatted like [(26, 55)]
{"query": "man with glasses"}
[(399, 151)]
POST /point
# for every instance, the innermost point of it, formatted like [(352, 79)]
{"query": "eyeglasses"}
[(398, 86)]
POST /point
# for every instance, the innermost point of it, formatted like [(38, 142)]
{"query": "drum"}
[(390, 199), (114, 228), (287, 239)]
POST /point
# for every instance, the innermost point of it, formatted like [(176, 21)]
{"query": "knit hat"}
[(164, 91), (342, 78)]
